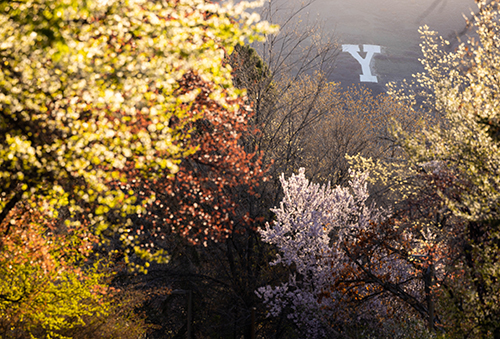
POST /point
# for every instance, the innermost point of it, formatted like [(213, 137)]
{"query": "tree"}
[(90, 94), (210, 202), (349, 262), (460, 155), (43, 289), (272, 72), (206, 198)]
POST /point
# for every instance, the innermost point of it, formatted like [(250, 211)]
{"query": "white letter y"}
[(370, 50)]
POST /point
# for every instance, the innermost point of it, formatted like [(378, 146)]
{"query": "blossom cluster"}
[(321, 232)]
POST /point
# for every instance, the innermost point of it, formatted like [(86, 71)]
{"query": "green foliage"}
[(43, 286), (248, 67)]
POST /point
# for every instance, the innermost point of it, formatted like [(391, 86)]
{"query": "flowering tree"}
[(345, 257), (461, 89)]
